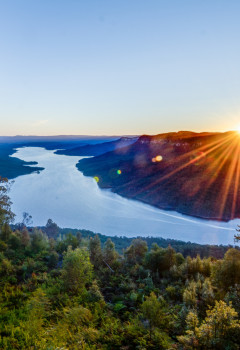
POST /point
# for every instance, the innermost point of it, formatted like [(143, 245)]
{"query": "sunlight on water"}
[(65, 195)]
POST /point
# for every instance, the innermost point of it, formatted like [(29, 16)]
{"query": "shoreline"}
[(167, 209), (97, 209), (35, 169)]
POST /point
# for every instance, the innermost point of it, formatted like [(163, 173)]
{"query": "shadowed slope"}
[(98, 149), (194, 173)]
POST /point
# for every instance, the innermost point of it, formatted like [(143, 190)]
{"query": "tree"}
[(169, 258), (6, 215), (109, 252), (199, 294), (154, 258), (52, 229), (226, 273), (6, 268), (32, 328), (136, 252), (233, 296), (190, 294), (190, 340), (26, 221), (25, 237), (220, 329), (39, 241), (73, 330), (153, 311), (14, 241), (95, 250), (53, 259), (71, 240), (160, 260), (77, 270), (5, 232)]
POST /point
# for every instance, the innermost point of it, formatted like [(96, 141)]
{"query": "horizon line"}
[(114, 135)]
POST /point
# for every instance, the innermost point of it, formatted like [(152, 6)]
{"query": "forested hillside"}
[(65, 291), (185, 248), (193, 173)]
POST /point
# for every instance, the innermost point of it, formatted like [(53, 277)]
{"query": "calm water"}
[(64, 194)]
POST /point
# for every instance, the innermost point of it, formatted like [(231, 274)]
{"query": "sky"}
[(117, 67)]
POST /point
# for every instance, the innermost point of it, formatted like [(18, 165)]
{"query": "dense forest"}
[(69, 291), (185, 248)]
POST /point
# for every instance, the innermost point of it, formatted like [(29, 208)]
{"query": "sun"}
[(238, 129)]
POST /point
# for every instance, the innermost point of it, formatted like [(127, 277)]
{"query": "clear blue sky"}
[(119, 66)]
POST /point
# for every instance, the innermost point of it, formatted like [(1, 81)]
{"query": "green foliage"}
[(160, 260), (38, 241), (219, 330), (69, 240), (71, 294), (51, 229), (136, 252), (95, 250), (109, 253), (199, 294), (184, 248), (77, 270), (6, 215), (226, 273), (155, 312)]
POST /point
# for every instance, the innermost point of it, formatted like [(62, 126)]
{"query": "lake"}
[(69, 198)]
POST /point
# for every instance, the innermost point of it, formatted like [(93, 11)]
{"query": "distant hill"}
[(186, 248), (54, 142), (57, 138), (98, 149), (193, 173), (12, 167)]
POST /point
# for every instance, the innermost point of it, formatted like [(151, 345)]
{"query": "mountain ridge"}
[(98, 149), (190, 174)]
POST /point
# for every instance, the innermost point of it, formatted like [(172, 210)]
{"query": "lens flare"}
[(218, 176), (157, 159)]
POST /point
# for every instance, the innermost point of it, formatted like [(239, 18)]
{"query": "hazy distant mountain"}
[(54, 142), (100, 148), (56, 138), (193, 173), (12, 167)]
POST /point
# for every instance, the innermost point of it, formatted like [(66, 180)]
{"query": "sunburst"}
[(220, 169)]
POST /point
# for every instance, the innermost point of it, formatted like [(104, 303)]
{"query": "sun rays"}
[(214, 175)]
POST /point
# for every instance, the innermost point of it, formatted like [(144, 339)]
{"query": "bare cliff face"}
[(193, 173)]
